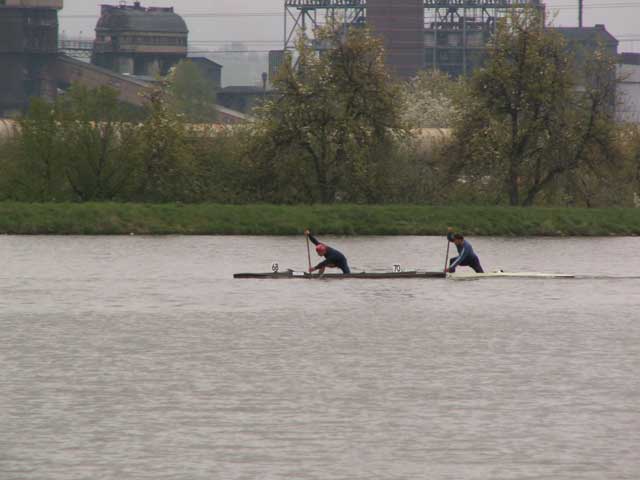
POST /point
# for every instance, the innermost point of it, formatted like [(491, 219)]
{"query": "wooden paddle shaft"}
[(446, 259)]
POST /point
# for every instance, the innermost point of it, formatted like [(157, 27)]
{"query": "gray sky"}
[(260, 23)]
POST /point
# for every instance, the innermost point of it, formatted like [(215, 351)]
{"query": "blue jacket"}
[(465, 252)]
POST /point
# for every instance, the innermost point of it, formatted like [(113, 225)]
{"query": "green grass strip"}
[(214, 219)]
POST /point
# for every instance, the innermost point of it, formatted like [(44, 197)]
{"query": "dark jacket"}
[(332, 258), (465, 252)]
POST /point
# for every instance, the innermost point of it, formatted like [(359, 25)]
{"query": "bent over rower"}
[(466, 256), (332, 257)]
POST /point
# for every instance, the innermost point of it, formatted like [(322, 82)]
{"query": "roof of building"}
[(204, 60), (588, 35), (126, 18), (242, 90), (629, 58), (57, 4)]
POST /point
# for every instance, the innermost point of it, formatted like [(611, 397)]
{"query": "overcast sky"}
[(260, 23)]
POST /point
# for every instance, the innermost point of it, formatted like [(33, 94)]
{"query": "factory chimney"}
[(580, 12)]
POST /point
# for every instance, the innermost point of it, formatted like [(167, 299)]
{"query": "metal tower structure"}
[(306, 15), (455, 32)]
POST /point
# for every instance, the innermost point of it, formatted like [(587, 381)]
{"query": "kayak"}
[(290, 274), (501, 274)]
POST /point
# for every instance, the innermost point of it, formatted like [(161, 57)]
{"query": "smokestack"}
[(401, 26), (580, 12)]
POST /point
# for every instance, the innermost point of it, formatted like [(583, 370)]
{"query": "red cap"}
[(321, 248)]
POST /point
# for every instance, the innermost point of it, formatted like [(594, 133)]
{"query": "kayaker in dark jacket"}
[(466, 256), (332, 257)]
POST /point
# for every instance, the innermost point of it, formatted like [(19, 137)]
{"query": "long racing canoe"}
[(466, 275), (341, 276), (291, 274)]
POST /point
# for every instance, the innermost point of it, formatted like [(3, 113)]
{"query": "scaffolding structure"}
[(456, 32), (306, 15)]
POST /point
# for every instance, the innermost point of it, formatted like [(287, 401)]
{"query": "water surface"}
[(141, 358)]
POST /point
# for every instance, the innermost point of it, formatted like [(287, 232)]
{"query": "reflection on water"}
[(136, 358)]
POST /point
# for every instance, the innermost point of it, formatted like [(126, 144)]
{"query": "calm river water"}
[(141, 358)]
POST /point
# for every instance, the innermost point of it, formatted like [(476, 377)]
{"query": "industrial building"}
[(135, 40), (133, 44), (628, 110), (136, 43), (210, 69), (28, 45), (585, 40), (450, 35)]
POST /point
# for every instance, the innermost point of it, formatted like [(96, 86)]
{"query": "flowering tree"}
[(429, 100)]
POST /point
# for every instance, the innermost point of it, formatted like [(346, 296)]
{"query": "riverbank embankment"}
[(213, 219)]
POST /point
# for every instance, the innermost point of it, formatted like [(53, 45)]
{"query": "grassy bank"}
[(112, 218)]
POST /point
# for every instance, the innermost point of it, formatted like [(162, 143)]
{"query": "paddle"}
[(446, 259), (308, 252)]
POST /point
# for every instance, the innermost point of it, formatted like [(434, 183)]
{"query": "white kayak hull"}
[(500, 274)]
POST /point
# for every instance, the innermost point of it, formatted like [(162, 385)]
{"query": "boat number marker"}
[(275, 267), (397, 268)]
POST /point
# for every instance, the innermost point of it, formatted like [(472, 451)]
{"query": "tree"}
[(98, 145), (77, 148), (326, 134), (191, 94), (627, 183), (37, 171), (219, 174), (431, 104), (429, 100), (527, 122), (586, 150), (166, 157), (635, 162)]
